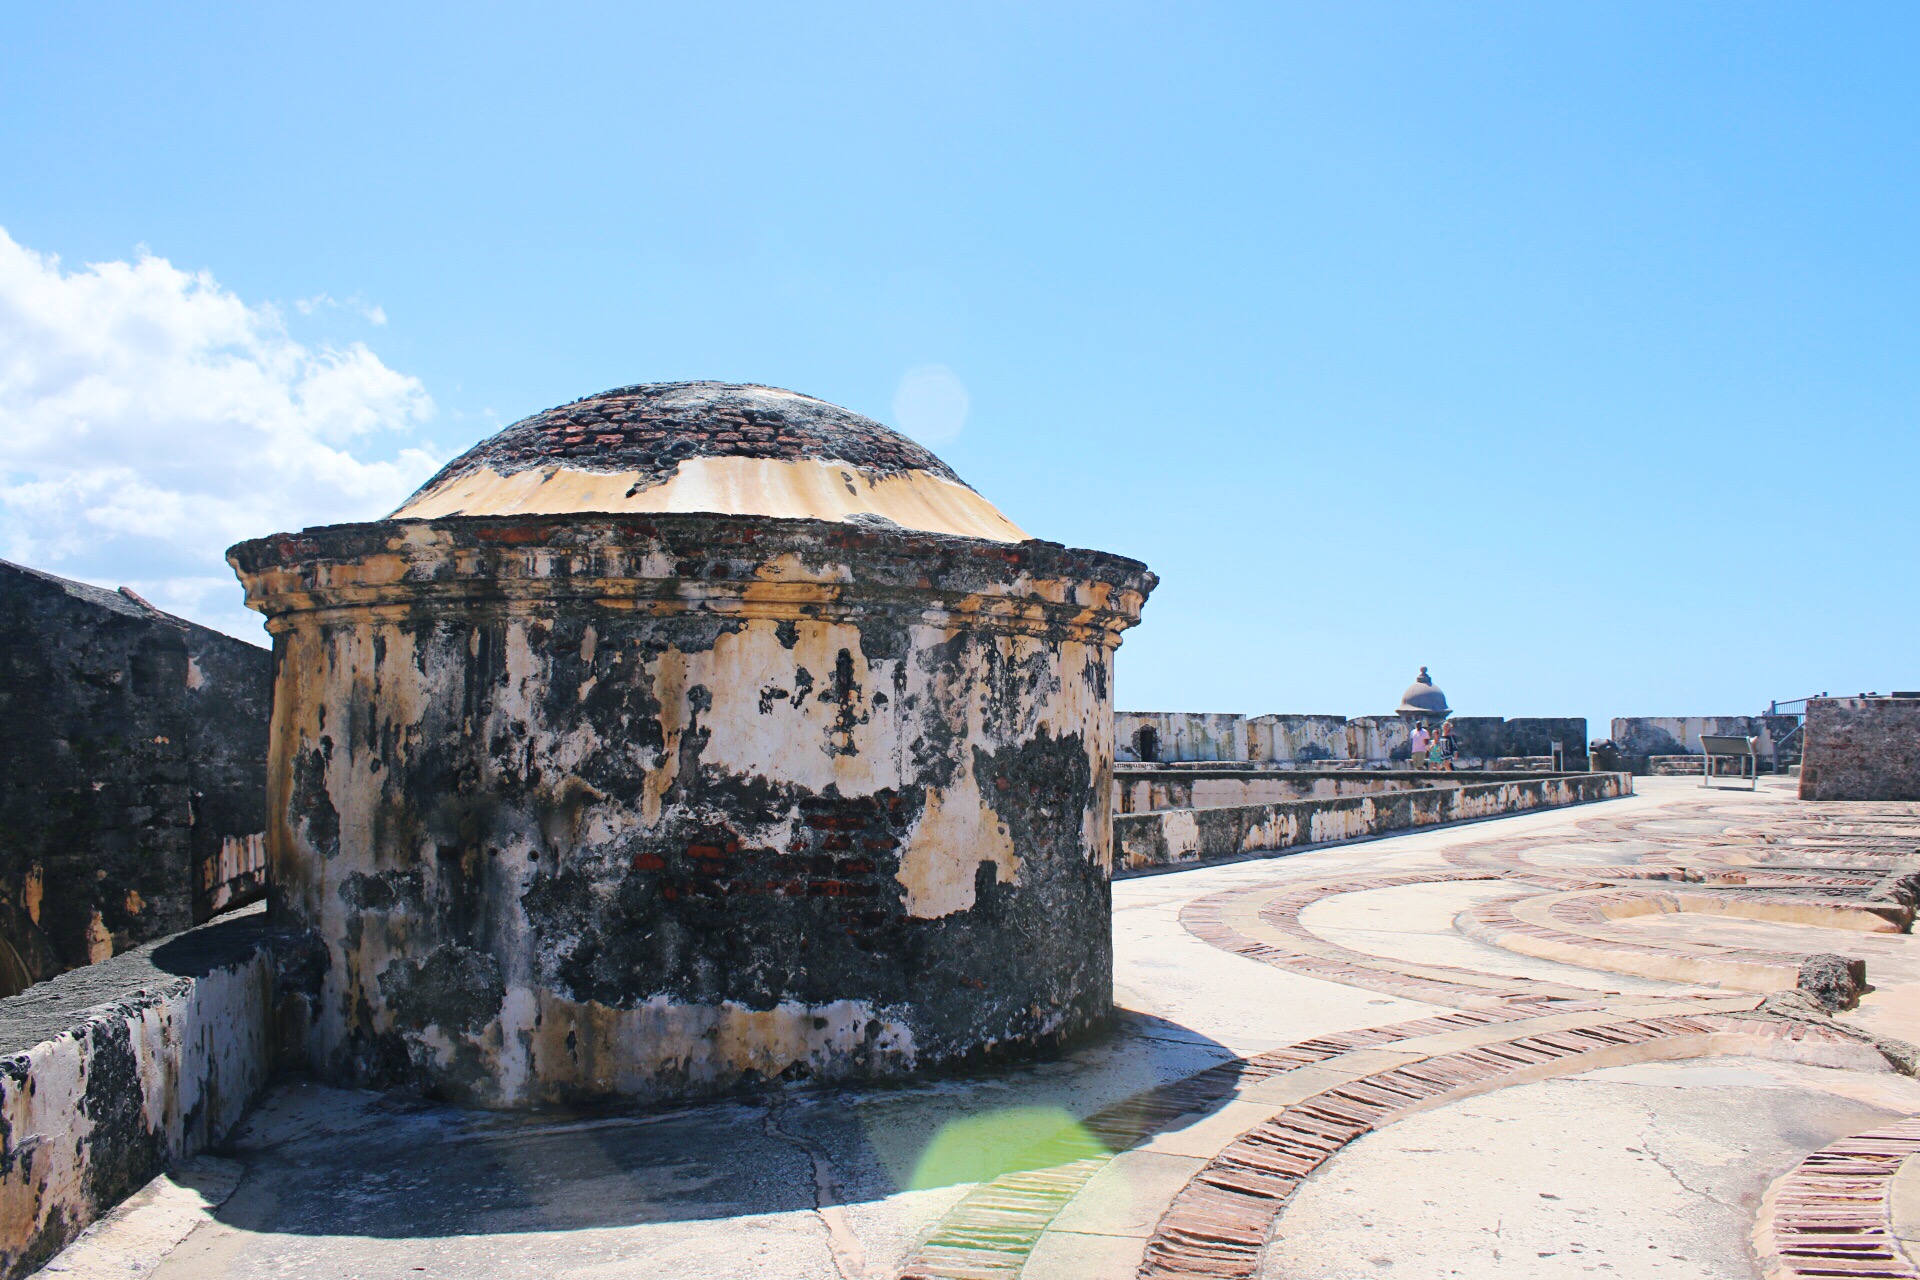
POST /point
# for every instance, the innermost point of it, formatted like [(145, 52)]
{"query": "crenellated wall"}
[(1324, 741)]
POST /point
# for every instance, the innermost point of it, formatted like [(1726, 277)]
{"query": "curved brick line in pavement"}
[(1308, 954), (1582, 938), (1512, 857), (1218, 1225), (1505, 857), (993, 1229), (1763, 831), (1832, 1214), (1598, 909)]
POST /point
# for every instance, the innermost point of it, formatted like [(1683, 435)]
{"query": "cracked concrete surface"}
[(843, 1242)]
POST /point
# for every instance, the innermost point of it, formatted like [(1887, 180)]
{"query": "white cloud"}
[(149, 418), (930, 404)]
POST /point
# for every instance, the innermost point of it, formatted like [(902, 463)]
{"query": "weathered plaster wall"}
[(1862, 749), (1180, 735), (581, 807), (132, 773), (1309, 739), (1641, 737), (112, 1072), (1174, 837)]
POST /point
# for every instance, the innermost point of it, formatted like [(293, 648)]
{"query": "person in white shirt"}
[(1421, 740)]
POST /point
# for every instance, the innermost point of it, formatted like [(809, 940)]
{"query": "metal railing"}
[(1790, 745)]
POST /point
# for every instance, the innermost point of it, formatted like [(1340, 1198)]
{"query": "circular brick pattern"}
[(1218, 1225)]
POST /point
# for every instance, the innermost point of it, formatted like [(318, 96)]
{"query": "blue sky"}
[(1529, 342)]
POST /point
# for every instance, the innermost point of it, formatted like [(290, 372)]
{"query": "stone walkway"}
[(1593, 1041)]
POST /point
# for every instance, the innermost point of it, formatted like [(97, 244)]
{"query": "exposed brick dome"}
[(655, 426), (729, 448)]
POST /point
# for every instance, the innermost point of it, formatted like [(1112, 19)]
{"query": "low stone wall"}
[(1142, 789), (110, 1073), (1174, 837), (1862, 749), (1693, 766)]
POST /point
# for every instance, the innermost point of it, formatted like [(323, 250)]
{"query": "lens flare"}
[(982, 1147)]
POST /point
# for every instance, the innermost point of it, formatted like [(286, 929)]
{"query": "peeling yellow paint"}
[(99, 940), (799, 489), (955, 834)]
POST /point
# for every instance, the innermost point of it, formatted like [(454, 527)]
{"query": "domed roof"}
[(1422, 698), (711, 447)]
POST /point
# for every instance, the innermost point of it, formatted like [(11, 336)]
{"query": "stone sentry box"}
[(642, 803)]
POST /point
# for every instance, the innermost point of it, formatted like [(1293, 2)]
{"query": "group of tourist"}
[(1433, 750)]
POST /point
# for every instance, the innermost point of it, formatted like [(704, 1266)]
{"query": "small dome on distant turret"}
[(725, 448), (1422, 698)]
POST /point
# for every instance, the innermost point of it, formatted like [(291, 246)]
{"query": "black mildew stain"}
[(454, 988), (310, 804), (848, 715), (124, 1151)]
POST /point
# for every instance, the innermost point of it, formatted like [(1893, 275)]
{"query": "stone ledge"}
[(1147, 842), (111, 1073)]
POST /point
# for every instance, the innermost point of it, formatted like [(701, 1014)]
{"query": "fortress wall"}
[(1641, 737), (133, 751)]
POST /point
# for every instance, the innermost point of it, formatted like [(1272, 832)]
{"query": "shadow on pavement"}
[(332, 1162)]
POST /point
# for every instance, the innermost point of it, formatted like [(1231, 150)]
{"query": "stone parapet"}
[(1143, 788), (1166, 838), (1329, 742), (1644, 739)]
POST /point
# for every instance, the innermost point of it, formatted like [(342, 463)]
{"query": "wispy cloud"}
[(150, 417), (372, 313)]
